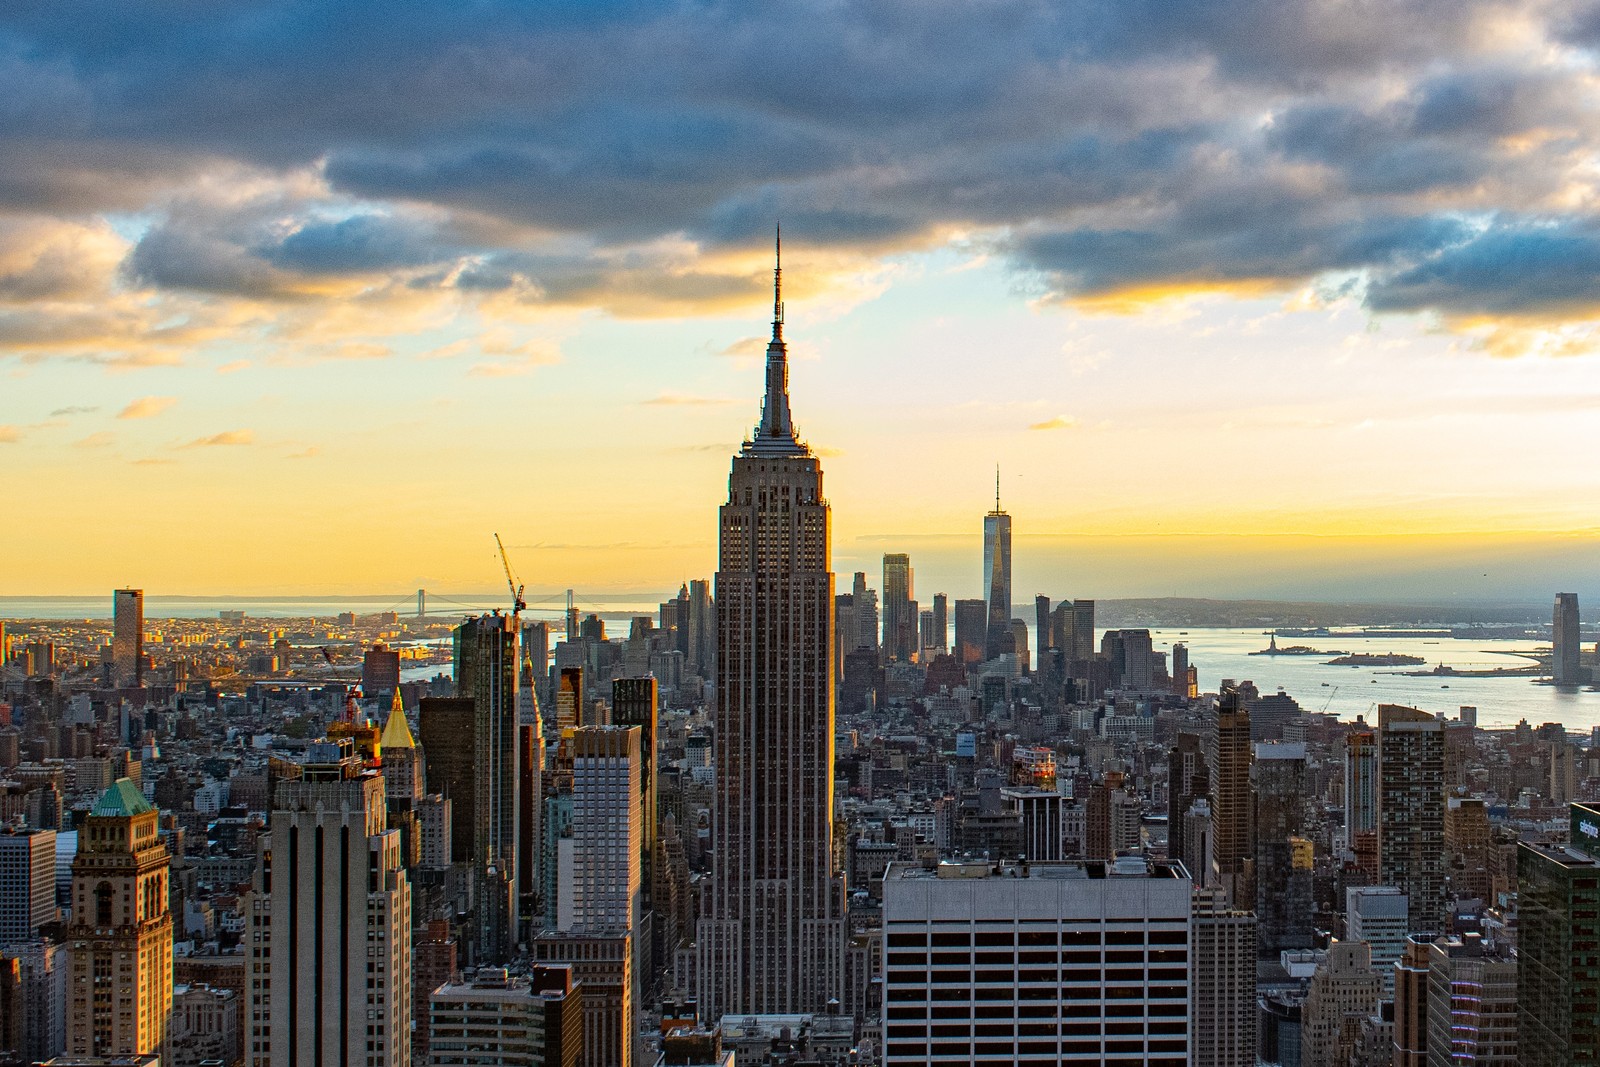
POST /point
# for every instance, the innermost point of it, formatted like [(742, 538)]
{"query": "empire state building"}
[(774, 939)]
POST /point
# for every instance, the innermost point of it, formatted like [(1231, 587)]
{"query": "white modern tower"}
[(997, 575)]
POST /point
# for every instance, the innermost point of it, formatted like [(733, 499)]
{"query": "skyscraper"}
[(972, 620), (448, 726), (1233, 844), (997, 575), (1222, 989), (607, 822), (1411, 810), (1284, 903), (633, 703), (120, 938), (702, 629), (1016, 971), (27, 882), (899, 622), (1564, 641), (380, 671), (1188, 780), (1360, 782), (127, 638), (1343, 986), (774, 939), (1472, 1003), (941, 622), (1558, 974), (1411, 1002), (402, 768), (1082, 629), (530, 812), (569, 699), (329, 923), (864, 604), (486, 670), (1041, 628), (1378, 915)]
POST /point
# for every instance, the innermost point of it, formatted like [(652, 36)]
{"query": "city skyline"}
[(424, 641), (200, 304)]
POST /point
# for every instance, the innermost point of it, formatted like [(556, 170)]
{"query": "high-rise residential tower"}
[(127, 638), (1222, 986), (899, 619), (774, 939), (1411, 811), (329, 923), (997, 575), (120, 937), (604, 882), (1564, 641)]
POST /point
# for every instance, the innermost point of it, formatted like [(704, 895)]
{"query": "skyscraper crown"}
[(774, 435)]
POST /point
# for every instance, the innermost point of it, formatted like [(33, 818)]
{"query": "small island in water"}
[(1272, 649), (1376, 659)]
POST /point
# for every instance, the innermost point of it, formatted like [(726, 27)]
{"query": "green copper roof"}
[(123, 798)]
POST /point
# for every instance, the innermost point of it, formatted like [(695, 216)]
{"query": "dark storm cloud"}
[(358, 244), (1513, 269), (525, 148)]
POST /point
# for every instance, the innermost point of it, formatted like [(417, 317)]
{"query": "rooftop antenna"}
[(997, 488), (777, 284)]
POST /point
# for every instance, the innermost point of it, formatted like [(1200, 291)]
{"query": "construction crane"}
[(1331, 695), (517, 603)]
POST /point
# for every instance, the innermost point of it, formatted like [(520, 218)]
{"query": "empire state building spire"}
[(775, 434), (772, 933)]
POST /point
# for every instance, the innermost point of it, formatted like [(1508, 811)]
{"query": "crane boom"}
[(517, 603)]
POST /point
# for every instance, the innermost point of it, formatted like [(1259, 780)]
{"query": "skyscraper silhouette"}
[(486, 669), (899, 623), (774, 938), (127, 638), (1564, 665), (997, 577)]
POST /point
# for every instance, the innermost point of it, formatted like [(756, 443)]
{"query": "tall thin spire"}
[(776, 430), (997, 488), (777, 284)]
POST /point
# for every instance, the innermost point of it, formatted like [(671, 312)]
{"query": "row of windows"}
[(1030, 1011), (899, 1052), (1029, 938), (1048, 993), (1084, 1029), (1025, 957)]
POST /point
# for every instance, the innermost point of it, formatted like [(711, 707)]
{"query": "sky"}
[(1289, 298)]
